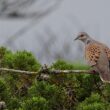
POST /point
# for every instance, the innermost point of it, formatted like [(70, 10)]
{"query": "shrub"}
[(24, 60), (35, 103), (94, 102), (59, 92), (4, 92), (50, 92)]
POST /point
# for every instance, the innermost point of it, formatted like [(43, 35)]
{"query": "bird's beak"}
[(76, 38)]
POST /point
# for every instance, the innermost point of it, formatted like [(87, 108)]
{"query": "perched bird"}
[(97, 55)]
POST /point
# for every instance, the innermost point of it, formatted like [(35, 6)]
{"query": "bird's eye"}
[(81, 35)]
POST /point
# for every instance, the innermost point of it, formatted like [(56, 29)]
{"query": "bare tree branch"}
[(46, 71), (8, 8), (36, 19), (17, 71), (15, 9)]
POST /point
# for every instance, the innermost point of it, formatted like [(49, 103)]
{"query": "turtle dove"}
[(97, 56)]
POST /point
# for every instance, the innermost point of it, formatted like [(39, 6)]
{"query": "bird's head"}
[(83, 36)]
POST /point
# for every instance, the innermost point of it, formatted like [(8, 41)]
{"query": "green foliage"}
[(59, 92), (13, 103), (20, 60), (6, 58), (62, 65), (35, 103), (94, 102), (4, 95), (25, 61), (50, 92), (106, 92)]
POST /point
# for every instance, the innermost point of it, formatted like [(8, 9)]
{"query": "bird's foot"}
[(92, 72)]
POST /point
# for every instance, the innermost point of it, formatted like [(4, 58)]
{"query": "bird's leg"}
[(93, 71)]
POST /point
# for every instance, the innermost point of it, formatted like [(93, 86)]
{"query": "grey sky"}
[(71, 17)]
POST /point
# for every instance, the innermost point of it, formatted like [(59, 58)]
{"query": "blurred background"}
[(47, 28)]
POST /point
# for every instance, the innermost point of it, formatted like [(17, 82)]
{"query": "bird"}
[(97, 55)]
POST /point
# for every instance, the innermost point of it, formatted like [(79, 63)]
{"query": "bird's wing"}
[(107, 50), (92, 53), (103, 65), (98, 56)]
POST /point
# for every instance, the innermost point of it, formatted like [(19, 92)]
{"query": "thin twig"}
[(35, 19)]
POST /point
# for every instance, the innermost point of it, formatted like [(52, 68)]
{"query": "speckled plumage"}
[(92, 53), (97, 56)]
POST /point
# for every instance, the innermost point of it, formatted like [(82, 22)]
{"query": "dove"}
[(97, 55)]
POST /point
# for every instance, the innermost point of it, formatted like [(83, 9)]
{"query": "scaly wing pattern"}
[(107, 50), (92, 54), (98, 56)]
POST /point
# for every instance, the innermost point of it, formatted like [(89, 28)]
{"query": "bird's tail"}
[(105, 77)]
